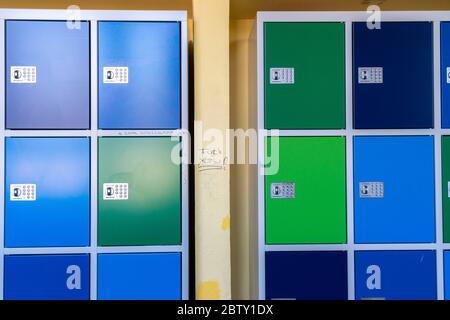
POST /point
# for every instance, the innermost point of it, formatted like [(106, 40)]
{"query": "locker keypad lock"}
[(282, 190), (115, 75), (448, 75), (22, 192), (282, 75), (448, 189), (371, 190), (370, 75), (115, 191), (23, 74)]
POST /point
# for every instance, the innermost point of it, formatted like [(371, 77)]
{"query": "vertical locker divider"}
[(261, 247), (2, 154), (349, 160), (94, 159), (184, 166), (438, 158)]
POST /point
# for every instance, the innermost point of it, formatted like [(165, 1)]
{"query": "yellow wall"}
[(240, 242), (212, 189)]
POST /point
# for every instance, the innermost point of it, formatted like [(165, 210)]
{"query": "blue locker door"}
[(447, 274), (47, 75), (393, 75), (306, 275), (396, 275), (47, 277), (445, 73), (47, 200), (139, 75), (394, 189), (154, 276)]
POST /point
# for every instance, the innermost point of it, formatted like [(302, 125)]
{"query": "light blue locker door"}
[(152, 276), (139, 75), (47, 192), (396, 275), (394, 189), (47, 75)]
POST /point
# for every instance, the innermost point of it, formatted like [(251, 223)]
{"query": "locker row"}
[(305, 76), (48, 75), (48, 192), (378, 275), (394, 184), (130, 276)]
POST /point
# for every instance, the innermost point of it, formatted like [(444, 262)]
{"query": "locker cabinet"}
[(155, 276), (304, 75), (445, 74), (47, 75), (393, 88), (396, 275), (446, 187), (46, 277), (139, 192), (139, 75), (394, 189), (306, 275), (306, 198), (447, 275), (47, 192)]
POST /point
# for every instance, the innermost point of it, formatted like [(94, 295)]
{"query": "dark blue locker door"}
[(396, 275), (47, 75), (306, 275), (153, 276), (47, 192), (139, 75), (445, 73), (394, 189), (47, 277), (393, 75)]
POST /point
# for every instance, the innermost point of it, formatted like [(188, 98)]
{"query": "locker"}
[(155, 276), (306, 276), (393, 89), (445, 74), (47, 193), (47, 277), (396, 275), (47, 75), (304, 75), (306, 198), (394, 189), (139, 75), (447, 275), (446, 187), (139, 192)]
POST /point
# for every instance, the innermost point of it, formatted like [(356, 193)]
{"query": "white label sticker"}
[(115, 191), (448, 74), (370, 75), (115, 75), (22, 192), (282, 75), (371, 190), (282, 190), (23, 74), (448, 187)]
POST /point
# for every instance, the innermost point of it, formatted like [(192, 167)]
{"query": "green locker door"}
[(446, 187), (139, 192), (306, 199), (304, 75)]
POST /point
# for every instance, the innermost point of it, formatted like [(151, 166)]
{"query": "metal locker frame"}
[(94, 16), (259, 247)]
